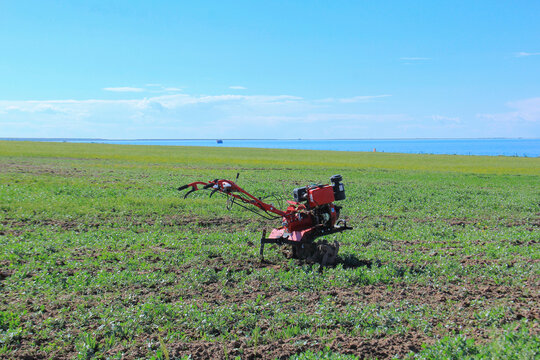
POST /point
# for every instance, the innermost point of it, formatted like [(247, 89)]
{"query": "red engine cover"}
[(320, 196)]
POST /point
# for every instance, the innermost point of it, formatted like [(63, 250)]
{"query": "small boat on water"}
[(219, 141)]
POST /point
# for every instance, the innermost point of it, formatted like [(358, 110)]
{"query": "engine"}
[(317, 195), (318, 202)]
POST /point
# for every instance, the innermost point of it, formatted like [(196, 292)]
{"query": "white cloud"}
[(445, 119), (124, 89), (179, 100), (524, 54), (237, 87), (180, 115), (153, 88), (159, 88), (172, 102), (525, 110), (313, 118)]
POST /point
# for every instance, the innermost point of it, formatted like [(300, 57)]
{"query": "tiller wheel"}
[(311, 215)]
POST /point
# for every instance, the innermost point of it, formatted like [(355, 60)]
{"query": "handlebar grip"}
[(183, 187)]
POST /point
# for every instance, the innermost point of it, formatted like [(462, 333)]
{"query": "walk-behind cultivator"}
[(311, 215)]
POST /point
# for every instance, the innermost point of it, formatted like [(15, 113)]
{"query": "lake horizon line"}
[(263, 139)]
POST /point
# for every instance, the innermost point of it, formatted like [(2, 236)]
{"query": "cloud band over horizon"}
[(252, 116)]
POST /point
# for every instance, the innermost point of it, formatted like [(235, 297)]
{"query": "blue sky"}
[(278, 69)]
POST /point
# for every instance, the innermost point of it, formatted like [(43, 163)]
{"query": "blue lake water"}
[(493, 147)]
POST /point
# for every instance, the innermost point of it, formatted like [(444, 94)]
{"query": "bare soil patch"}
[(384, 347), (458, 303), (41, 170), (225, 224)]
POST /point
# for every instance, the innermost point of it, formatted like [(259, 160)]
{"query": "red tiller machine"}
[(310, 215)]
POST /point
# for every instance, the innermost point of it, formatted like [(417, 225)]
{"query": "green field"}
[(100, 257)]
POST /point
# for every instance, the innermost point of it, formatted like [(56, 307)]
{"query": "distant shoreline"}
[(514, 147), (257, 139)]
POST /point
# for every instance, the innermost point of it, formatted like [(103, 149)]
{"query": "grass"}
[(100, 257)]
